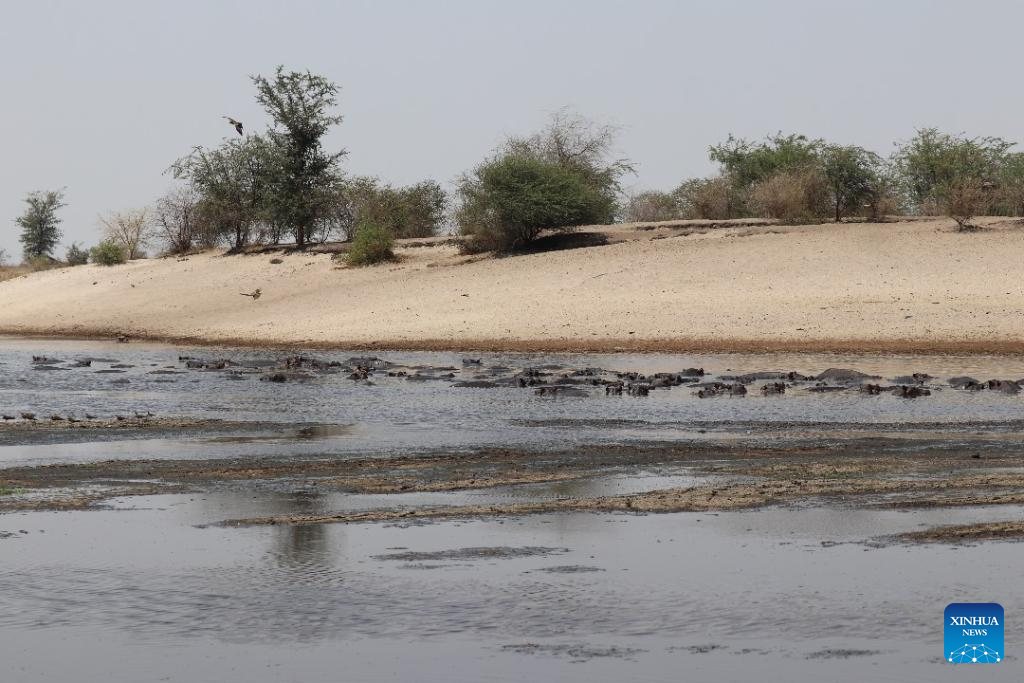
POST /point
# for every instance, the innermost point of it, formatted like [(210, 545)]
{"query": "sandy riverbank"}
[(909, 286)]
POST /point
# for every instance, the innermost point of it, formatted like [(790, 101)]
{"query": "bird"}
[(236, 124), (255, 294)]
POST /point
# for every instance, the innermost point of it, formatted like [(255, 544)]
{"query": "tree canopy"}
[(40, 224)]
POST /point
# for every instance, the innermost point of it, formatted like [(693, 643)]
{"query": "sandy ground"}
[(911, 286)]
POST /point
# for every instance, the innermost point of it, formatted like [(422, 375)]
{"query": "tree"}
[(508, 200), (234, 184), (300, 105), (40, 225), (746, 163), (932, 163), (851, 173), (178, 219), (1010, 185), (559, 178), (130, 229), (580, 146)]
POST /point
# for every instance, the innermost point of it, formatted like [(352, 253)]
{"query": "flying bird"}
[(236, 124)]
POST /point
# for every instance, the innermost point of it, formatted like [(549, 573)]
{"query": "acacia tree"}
[(234, 184), (557, 179), (932, 164), (300, 105), (580, 146), (40, 225), (850, 172), (129, 229)]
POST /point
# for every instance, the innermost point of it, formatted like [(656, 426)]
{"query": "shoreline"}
[(894, 347)]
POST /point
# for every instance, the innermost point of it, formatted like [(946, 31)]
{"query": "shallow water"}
[(148, 590), (397, 415), (737, 591)]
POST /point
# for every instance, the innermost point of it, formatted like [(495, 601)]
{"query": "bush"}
[(510, 199), (76, 256), (372, 244), (108, 253), (710, 199), (791, 196), (414, 211), (648, 207), (964, 199)]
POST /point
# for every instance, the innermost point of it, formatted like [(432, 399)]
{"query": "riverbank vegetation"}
[(282, 186)]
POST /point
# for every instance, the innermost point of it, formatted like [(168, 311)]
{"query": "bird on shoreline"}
[(236, 124)]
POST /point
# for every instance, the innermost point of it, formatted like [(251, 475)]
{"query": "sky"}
[(101, 97)]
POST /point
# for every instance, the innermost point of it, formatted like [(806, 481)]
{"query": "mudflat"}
[(912, 286)]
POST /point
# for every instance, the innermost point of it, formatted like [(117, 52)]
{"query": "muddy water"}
[(152, 589)]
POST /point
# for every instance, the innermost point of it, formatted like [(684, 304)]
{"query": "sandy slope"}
[(899, 286)]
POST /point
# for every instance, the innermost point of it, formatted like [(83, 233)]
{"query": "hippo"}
[(966, 383), (638, 389), (1006, 386), (916, 378), (844, 375)]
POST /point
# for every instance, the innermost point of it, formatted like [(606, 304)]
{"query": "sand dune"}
[(909, 286)]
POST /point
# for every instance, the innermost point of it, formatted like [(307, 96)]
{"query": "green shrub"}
[(372, 244), (108, 253), (414, 211), (76, 256), (508, 200)]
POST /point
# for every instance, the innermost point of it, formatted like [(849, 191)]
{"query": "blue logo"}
[(974, 633)]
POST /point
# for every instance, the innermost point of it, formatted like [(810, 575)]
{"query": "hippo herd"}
[(548, 380)]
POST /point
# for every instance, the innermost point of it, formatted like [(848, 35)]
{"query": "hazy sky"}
[(100, 97)]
